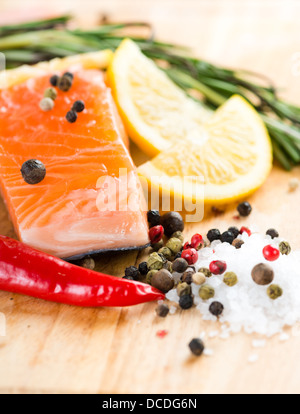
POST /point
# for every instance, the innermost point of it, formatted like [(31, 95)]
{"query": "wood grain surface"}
[(53, 348)]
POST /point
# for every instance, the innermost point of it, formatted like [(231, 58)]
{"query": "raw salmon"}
[(90, 199)]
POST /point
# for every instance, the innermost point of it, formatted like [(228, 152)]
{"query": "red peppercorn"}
[(190, 255), (187, 245), (245, 229), (270, 253), (217, 267), (156, 233), (196, 240)]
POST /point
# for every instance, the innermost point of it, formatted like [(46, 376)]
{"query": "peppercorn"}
[(190, 255), (217, 267), (186, 301), (237, 243), (163, 280), (177, 256), (153, 217), (166, 252), (71, 116), (157, 246), (230, 279), (143, 268), (196, 346), (150, 275), (262, 274), (179, 265), (168, 265), (234, 230), (174, 245), (206, 292), (273, 233), (155, 261), (196, 241), (244, 209), (54, 80), (127, 277), (213, 234), (187, 276), (65, 83), (172, 222), (33, 171), (216, 308), (178, 235), (183, 289), (270, 253), (88, 263), (50, 93), (156, 233), (227, 237), (78, 106), (284, 247), (274, 291), (46, 104), (198, 278), (69, 74), (162, 310), (132, 271), (205, 271)]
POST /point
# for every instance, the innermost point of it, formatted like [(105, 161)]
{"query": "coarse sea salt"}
[(247, 307)]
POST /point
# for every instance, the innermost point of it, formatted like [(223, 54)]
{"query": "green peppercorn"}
[(155, 261), (162, 310), (166, 252), (274, 291), (285, 247), (230, 279), (178, 235), (50, 93), (157, 246), (179, 265), (206, 292), (198, 278), (46, 104), (205, 271), (174, 245), (149, 276), (163, 280), (183, 289)]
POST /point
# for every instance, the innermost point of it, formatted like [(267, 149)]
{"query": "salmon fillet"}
[(90, 199)]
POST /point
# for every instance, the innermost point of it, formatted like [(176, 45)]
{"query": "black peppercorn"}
[(78, 106), (71, 116), (187, 276), (64, 83), (216, 308), (186, 301), (143, 268), (54, 80), (163, 280), (273, 233), (196, 346), (153, 217), (133, 272), (179, 265), (234, 230), (69, 74), (162, 310), (227, 237), (213, 234), (172, 222), (127, 277), (244, 209), (33, 171)]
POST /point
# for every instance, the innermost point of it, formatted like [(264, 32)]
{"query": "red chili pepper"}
[(30, 272)]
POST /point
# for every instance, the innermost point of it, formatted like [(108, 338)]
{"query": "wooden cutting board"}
[(53, 348)]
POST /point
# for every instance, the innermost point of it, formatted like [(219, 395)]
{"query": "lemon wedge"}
[(156, 112), (233, 158)]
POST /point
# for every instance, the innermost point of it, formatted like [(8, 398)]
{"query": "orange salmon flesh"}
[(83, 204)]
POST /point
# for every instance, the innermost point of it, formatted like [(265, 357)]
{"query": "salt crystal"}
[(212, 334), (172, 310), (253, 358), (258, 343), (284, 337), (208, 352)]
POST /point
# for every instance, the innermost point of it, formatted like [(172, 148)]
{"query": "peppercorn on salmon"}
[(90, 198)]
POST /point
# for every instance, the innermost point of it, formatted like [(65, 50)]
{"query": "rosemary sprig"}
[(45, 39)]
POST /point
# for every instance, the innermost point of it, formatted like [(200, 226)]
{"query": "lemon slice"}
[(231, 162), (155, 111)]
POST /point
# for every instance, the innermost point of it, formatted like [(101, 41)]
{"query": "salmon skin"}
[(90, 199)]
